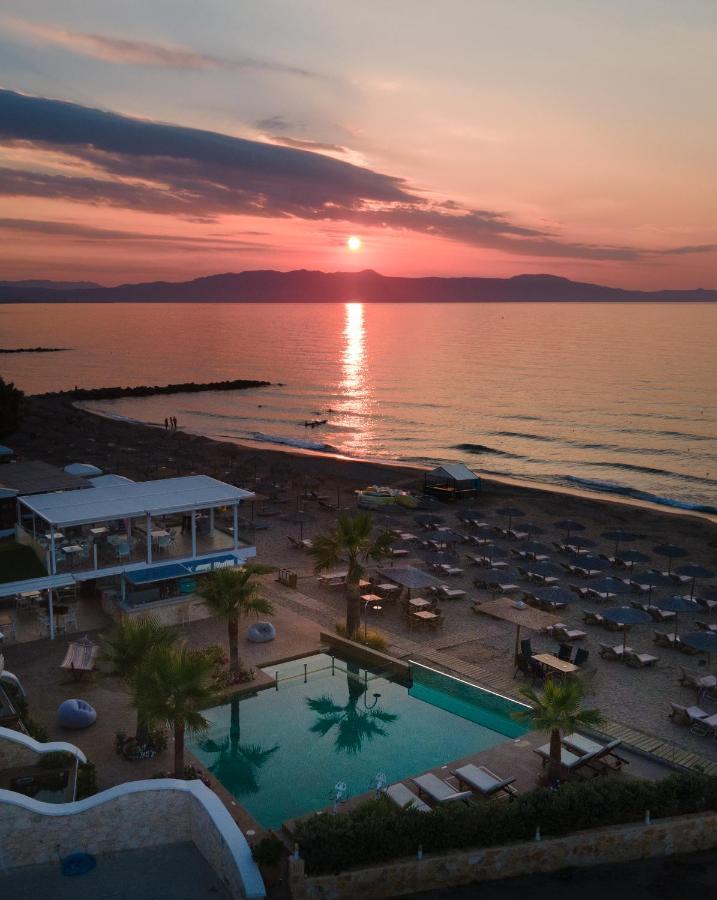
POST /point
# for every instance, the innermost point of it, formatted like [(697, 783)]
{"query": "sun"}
[(354, 243)]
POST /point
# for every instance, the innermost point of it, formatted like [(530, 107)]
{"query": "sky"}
[(174, 139)]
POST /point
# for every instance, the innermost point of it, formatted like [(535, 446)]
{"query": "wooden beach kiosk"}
[(451, 481)]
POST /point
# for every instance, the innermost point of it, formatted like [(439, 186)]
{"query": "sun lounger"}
[(709, 605), (448, 593), (663, 639), (697, 680), (482, 780), (448, 569), (687, 715), (563, 633), (608, 652), (639, 660), (569, 761), (592, 618), (405, 798), (517, 535), (704, 626), (80, 657), (584, 746), (439, 790)]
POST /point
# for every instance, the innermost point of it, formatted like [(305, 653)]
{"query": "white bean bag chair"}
[(261, 632)]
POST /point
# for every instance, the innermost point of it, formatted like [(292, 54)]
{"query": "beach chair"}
[(569, 761), (438, 790), (448, 593), (581, 656), (639, 660), (448, 569), (704, 626), (602, 753), (608, 652), (709, 605), (663, 639), (687, 715), (483, 781), (697, 680), (592, 618), (562, 633), (565, 652), (517, 535), (405, 798), (526, 648), (80, 657)]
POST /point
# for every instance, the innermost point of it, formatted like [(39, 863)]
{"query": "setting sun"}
[(354, 243)]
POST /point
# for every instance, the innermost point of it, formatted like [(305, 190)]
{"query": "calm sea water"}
[(618, 398)]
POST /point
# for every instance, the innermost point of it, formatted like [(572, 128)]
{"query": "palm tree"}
[(558, 711), (231, 594), (353, 538), (125, 648), (354, 725), (172, 686), (236, 765)]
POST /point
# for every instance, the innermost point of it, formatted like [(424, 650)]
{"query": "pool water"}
[(282, 752)]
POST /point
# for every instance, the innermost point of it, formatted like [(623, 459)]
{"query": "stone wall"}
[(18, 750), (127, 817), (621, 843)]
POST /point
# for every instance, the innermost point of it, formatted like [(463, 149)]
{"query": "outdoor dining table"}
[(371, 598), (419, 603), (388, 589), (555, 663), (99, 531), (424, 617)]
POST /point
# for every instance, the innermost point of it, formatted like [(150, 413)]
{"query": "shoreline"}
[(409, 469)]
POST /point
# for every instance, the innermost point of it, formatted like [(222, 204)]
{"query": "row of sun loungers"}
[(481, 782), (578, 752), (628, 655), (698, 721)]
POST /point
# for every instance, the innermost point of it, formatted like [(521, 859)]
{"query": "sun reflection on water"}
[(353, 362)]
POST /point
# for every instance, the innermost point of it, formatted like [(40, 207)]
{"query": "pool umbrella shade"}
[(531, 528), (671, 551), (436, 557), (677, 605), (511, 512), (544, 568), (632, 557), (652, 580), (446, 537), (586, 561), (608, 586), (619, 537), (582, 543), (704, 641), (694, 571), (555, 594), (568, 526), (534, 547), (626, 615)]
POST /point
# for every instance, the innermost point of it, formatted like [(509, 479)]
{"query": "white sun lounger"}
[(481, 779), (568, 760), (405, 798), (584, 746), (438, 789)]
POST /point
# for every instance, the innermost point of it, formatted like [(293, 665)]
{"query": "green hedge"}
[(377, 830)]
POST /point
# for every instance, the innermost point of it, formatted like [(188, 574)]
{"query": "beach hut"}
[(451, 481)]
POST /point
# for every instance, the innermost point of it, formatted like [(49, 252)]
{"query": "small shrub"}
[(269, 851), (58, 759), (86, 780), (36, 730)]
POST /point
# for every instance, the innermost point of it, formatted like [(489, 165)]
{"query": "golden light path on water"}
[(355, 402)]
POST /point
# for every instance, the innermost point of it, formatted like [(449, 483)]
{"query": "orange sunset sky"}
[(168, 140)]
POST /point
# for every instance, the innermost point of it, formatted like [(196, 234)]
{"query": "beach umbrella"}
[(532, 528), (582, 543), (626, 615), (495, 552), (632, 557), (511, 512), (436, 557), (568, 526), (300, 517), (620, 537), (587, 561), (496, 577), (671, 551), (704, 641), (534, 547), (555, 594), (546, 568), (651, 579), (694, 571), (610, 585), (428, 519), (677, 605)]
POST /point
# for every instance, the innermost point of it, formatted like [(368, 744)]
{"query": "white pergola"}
[(131, 500)]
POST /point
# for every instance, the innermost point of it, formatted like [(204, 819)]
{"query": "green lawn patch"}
[(18, 563)]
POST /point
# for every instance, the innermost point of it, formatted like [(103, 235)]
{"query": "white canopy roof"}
[(84, 470), (123, 501)]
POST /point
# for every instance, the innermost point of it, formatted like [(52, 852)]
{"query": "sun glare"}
[(354, 243)]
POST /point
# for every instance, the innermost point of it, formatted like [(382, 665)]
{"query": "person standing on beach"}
[(166, 424), (174, 422)]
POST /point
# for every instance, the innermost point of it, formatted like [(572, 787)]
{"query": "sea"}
[(611, 398)]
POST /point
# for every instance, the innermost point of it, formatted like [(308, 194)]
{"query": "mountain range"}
[(312, 286)]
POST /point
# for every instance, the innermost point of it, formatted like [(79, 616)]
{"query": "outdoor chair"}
[(581, 656), (526, 648), (565, 652), (709, 605), (569, 761), (448, 593), (523, 665), (438, 790), (697, 681), (483, 781), (608, 652), (704, 626), (687, 715), (659, 615), (537, 671), (80, 657), (601, 753), (664, 640), (592, 618), (639, 660), (404, 798), (563, 633), (582, 592), (123, 550)]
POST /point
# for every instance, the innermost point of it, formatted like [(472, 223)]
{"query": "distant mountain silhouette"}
[(52, 285), (306, 286)]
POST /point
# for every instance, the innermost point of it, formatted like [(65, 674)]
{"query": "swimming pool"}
[(281, 752)]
